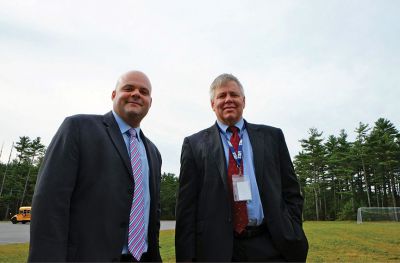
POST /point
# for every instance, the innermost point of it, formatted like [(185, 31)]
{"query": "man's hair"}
[(132, 71), (222, 80)]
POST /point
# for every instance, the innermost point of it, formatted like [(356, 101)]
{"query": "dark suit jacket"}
[(204, 228), (83, 194)]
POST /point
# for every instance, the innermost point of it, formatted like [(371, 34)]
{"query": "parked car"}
[(23, 216)]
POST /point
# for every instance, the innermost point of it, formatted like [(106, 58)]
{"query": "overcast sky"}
[(303, 64)]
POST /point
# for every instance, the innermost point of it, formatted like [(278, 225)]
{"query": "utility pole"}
[(5, 172), (27, 178), (6, 215), (1, 151)]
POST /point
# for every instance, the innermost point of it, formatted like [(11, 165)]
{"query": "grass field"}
[(329, 242), (349, 242)]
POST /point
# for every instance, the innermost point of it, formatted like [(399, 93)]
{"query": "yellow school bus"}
[(23, 216)]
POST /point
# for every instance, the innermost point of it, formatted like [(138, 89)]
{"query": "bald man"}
[(98, 190)]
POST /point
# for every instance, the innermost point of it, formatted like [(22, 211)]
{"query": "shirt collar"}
[(124, 127), (239, 125)]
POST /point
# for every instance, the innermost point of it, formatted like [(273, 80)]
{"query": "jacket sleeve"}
[(158, 222), (186, 209), (51, 201), (290, 185)]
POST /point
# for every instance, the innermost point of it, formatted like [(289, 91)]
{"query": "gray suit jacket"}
[(204, 228), (83, 194)]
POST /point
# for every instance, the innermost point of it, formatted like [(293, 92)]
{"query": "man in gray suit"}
[(98, 190), (239, 198)]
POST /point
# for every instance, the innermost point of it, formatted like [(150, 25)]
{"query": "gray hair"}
[(222, 80)]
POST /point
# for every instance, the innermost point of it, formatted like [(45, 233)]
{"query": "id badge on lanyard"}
[(241, 188), (240, 185)]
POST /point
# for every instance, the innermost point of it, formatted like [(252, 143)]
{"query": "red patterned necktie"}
[(240, 217), (136, 238)]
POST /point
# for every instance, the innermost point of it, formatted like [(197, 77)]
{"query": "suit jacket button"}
[(123, 225), (229, 220)]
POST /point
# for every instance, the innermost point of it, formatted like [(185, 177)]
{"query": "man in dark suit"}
[(239, 198), (98, 190)]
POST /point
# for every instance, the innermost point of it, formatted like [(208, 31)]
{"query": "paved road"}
[(19, 233), (167, 225), (10, 233)]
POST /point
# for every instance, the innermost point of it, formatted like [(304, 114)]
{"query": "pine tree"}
[(385, 151), (35, 149), (314, 159), (361, 159)]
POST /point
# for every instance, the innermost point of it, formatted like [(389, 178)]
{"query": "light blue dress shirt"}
[(124, 128), (254, 206)]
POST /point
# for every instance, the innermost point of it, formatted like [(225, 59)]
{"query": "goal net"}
[(371, 214)]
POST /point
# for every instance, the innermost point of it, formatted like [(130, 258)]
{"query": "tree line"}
[(18, 176), (336, 175)]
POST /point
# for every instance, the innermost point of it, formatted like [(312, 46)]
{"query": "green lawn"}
[(349, 242), (329, 242)]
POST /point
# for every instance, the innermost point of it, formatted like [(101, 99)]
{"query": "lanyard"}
[(239, 155)]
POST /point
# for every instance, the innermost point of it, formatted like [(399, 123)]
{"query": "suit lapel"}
[(117, 139), (216, 153), (153, 188), (258, 144)]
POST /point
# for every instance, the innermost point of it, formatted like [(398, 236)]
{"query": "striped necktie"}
[(136, 234)]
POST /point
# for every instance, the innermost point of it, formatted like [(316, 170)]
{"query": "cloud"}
[(308, 64)]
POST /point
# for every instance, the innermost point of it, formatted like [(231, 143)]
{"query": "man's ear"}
[(113, 95), (244, 102)]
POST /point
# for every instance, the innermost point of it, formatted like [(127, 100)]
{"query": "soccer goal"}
[(371, 214)]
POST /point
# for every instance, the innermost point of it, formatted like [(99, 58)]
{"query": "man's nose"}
[(228, 98), (135, 93)]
